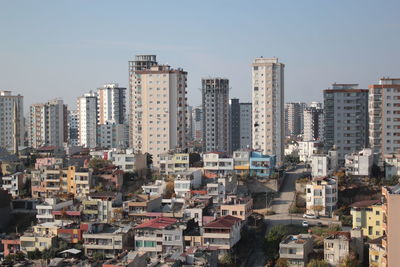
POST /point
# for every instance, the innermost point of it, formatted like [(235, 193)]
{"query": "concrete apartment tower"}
[(197, 123), (73, 128), (158, 109), (384, 117), (345, 119), (87, 120), (313, 122), (48, 124), (294, 118), (111, 101), (268, 106), (215, 99), (141, 62), (240, 124), (12, 127)]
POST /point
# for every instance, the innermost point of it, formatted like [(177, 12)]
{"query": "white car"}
[(310, 216), (305, 224)]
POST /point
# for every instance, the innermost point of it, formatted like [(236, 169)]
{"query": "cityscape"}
[(163, 170)]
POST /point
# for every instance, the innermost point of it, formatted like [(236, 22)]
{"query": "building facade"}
[(12, 127), (321, 196), (111, 104), (384, 117), (345, 119), (215, 104), (294, 118), (159, 110), (197, 123), (268, 106), (313, 122), (87, 120), (48, 124)]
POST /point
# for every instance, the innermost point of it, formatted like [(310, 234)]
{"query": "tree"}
[(99, 163), (169, 190), (226, 259), (317, 263), (317, 209), (282, 262), (376, 171), (149, 160), (349, 261)]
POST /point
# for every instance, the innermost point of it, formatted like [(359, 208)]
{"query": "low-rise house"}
[(156, 188), (50, 182), (307, 149), (13, 183), (360, 163), (72, 232), (321, 196), (128, 259), (324, 165), (262, 166), (241, 162), (99, 206), (238, 207), (110, 177), (138, 207), (392, 165), (217, 190), (336, 247), (160, 235), (223, 232), (47, 162), (368, 215), (107, 239), (128, 161), (43, 236), (45, 209), (296, 249), (174, 162), (185, 181), (11, 246), (216, 164), (376, 253)]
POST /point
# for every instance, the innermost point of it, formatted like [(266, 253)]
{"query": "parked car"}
[(319, 224), (310, 216), (305, 224)]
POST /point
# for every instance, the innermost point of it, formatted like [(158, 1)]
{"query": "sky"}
[(63, 49)]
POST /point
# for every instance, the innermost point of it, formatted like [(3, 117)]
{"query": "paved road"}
[(281, 206)]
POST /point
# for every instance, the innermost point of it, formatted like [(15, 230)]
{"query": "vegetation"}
[(275, 236), (282, 263), (317, 263), (12, 259), (149, 160), (349, 261), (226, 260), (99, 163), (289, 159), (169, 190)]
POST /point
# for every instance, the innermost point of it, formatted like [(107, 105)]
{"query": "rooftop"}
[(157, 223), (365, 203), (223, 222), (296, 239)]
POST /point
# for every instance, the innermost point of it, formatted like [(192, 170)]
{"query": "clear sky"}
[(63, 49)]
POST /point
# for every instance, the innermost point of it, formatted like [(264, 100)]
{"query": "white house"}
[(321, 196), (359, 163), (323, 165), (46, 208), (14, 183)]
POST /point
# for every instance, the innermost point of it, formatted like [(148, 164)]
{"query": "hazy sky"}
[(63, 49)]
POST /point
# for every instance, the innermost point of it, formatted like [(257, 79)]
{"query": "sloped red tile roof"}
[(157, 223), (223, 222)]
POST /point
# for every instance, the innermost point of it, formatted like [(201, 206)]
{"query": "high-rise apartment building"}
[(215, 98), (141, 62), (197, 123), (245, 125), (313, 122), (73, 128), (268, 106), (294, 119), (48, 124), (384, 117), (240, 124), (11, 121), (111, 101), (235, 124), (189, 123), (158, 109), (345, 119), (87, 120)]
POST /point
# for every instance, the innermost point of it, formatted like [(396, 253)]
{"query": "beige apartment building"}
[(159, 104), (11, 121), (268, 106), (384, 116), (391, 218)]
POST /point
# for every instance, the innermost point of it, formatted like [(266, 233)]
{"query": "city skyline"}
[(99, 51)]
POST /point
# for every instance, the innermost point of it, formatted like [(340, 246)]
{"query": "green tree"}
[(282, 263), (149, 159), (226, 259), (98, 256), (317, 263), (99, 163), (349, 261)]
